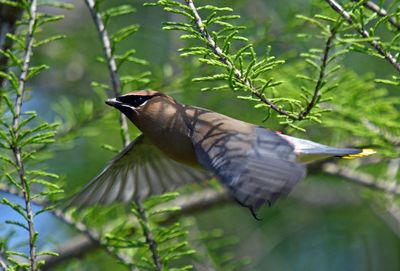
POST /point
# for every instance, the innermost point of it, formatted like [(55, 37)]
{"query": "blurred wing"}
[(257, 170), (138, 171)]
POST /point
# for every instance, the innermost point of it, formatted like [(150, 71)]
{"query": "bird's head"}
[(133, 101), (144, 106)]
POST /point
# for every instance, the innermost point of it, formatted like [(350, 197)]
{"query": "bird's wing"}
[(257, 166), (138, 171)]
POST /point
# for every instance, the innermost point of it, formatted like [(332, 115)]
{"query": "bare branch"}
[(362, 179), (16, 192), (116, 84), (88, 238), (94, 237), (386, 135), (207, 199), (391, 214), (193, 204), (3, 265), (189, 204), (111, 63), (210, 198), (381, 12), (239, 76), (197, 202), (363, 32), (75, 247)]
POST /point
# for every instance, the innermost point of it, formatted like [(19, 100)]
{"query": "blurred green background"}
[(326, 224)]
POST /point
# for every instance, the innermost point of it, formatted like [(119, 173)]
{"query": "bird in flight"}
[(182, 144)]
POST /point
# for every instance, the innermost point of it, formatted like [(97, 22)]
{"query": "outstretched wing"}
[(256, 165), (138, 171)]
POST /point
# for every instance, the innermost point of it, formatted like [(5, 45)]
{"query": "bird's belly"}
[(176, 146)]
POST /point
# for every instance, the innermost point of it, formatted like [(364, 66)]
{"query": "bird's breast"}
[(175, 145), (162, 123)]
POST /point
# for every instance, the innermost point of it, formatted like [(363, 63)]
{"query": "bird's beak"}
[(113, 102)]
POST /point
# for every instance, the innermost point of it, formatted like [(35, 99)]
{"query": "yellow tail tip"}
[(365, 152)]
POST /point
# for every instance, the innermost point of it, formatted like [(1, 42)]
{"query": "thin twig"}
[(111, 63), (391, 214), (210, 198), (95, 238), (381, 12), (65, 131), (112, 66), (362, 179), (16, 192), (239, 76), (321, 76), (76, 247), (116, 87), (89, 239), (189, 205), (15, 127), (148, 235), (92, 237), (363, 32), (3, 265), (386, 135)]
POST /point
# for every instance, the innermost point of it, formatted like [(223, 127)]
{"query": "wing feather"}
[(257, 166), (138, 171)]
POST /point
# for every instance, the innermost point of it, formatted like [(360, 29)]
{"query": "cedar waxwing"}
[(183, 144)]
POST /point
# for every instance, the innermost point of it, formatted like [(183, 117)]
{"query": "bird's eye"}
[(134, 100)]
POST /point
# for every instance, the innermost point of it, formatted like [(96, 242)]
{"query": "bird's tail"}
[(363, 152), (308, 151)]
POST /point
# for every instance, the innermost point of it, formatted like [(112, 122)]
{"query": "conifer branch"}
[(89, 240), (111, 64), (363, 32), (222, 58), (16, 192), (92, 237), (65, 131), (148, 235), (381, 12), (8, 18), (192, 204), (16, 149), (321, 76), (116, 84)]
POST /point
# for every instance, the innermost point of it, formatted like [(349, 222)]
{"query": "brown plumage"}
[(182, 144)]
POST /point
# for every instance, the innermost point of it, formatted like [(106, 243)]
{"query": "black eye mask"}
[(134, 100)]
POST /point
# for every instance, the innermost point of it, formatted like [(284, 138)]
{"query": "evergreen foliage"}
[(171, 240), (154, 246), (22, 132), (311, 91), (243, 71)]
